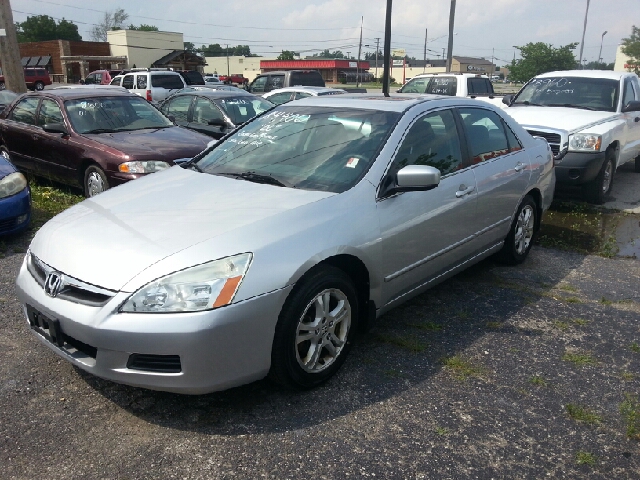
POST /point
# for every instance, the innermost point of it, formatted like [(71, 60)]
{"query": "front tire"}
[(596, 191), (95, 181), (519, 240), (315, 329)]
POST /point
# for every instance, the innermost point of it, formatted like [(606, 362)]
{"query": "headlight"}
[(585, 142), (203, 287), (12, 184), (142, 167)]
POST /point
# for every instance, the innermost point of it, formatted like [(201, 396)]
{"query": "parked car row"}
[(297, 227)]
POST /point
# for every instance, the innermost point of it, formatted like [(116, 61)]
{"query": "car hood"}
[(158, 143), (108, 239), (558, 118)]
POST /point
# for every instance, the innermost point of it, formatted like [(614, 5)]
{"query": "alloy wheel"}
[(323, 330), (606, 179), (524, 229), (95, 184)]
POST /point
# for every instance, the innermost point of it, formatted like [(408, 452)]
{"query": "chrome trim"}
[(34, 263), (422, 285), (419, 263)]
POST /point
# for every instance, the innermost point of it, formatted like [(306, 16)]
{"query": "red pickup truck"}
[(35, 78), (236, 78)]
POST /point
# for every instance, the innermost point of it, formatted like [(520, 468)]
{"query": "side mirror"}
[(414, 178), (55, 128), (218, 122), (507, 99), (632, 106)]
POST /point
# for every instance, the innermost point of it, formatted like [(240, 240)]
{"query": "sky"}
[(482, 29)]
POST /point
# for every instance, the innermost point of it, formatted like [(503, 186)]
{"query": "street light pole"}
[(584, 30), (387, 50), (601, 40), (452, 14)]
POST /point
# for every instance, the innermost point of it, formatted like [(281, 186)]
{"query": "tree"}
[(287, 55), (371, 56), (599, 66), (539, 58), (144, 28), (216, 50), (327, 54), (631, 48), (110, 21), (40, 28), (190, 47)]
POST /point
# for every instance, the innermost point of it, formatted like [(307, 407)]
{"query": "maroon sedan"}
[(94, 138)]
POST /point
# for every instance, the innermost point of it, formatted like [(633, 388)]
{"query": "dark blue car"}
[(15, 198)]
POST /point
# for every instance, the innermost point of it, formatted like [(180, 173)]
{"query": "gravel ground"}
[(500, 372)]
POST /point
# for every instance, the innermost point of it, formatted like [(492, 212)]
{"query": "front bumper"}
[(15, 212), (217, 349), (577, 168)]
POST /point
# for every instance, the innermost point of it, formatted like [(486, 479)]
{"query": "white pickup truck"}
[(454, 85), (591, 119)]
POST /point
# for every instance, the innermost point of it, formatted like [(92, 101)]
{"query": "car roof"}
[(452, 74), (377, 101), (585, 73), (83, 92), (208, 92), (305, 88)]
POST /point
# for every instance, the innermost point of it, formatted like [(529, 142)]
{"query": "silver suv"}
[(154, 85)]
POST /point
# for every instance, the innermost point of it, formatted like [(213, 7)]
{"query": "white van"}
[(154, 85)]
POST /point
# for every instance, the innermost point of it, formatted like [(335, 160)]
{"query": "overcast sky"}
[(492, 27)]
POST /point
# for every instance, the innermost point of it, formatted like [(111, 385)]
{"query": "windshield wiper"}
[(527, 102), (255, 177), (103, 130), (570, 105), (157, 126)]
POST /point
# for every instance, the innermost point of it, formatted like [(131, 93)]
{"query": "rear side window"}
[(49, 112), (313, 79), (29, 73), (116, 81), (166, 81), (258, 84), (25, 111), (275, 81), (178, 107), (443, 86), (478, 85), (485, 134), (141, 81)]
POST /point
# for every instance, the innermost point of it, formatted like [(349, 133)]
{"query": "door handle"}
[(464, 190), (519, 167)]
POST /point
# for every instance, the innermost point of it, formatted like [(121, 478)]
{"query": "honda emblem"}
[(53, 284)]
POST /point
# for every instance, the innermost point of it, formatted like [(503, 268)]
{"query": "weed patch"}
[(538, 381), (586, 458), (461, 368), (579, 359), (630, 411), (405, 342), (582, 414), (428, 326)]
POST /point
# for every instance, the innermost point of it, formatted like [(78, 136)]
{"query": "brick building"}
[(69, 61)]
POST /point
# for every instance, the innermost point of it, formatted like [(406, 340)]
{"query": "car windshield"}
[(312, 148), (240, 109), (576, 92), (113, 114)]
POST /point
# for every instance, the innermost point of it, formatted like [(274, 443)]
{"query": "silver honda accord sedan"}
[(268, 252)]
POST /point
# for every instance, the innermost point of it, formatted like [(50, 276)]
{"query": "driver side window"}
[(629, 93), (432, 140)]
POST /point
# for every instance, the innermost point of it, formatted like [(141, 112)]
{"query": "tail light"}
[(149, 98)]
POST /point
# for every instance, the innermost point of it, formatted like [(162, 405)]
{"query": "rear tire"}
[(637, 165), (95, 181), (2, 86), (315, 329), (597, 190), (520, 238)]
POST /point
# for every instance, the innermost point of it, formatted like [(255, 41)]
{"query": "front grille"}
[(155, 363), (51, 331), (553, 139), (72, 289)]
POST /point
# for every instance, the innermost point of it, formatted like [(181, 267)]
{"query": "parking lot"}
[(500, 372)]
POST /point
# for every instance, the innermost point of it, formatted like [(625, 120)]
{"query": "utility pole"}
[(584, 30), (377, 49), (452, 14), (424, 68), (387, 50), (9, 51), (359, 52), (493, 68), (228, 74)]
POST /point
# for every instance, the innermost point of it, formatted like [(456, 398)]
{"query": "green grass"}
[(538, 381), (579, 359), (428, 326), (405, 342), (561, 325), (48, 201), (441, 431), (586, 458), (568, 288), (582, 414), (461, 368), (627, 376), (635, 347), (572, 300), (579, 321), (493, 324), (630, 411)]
